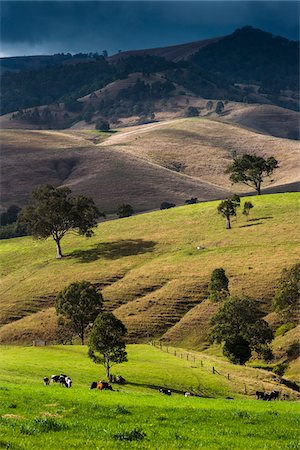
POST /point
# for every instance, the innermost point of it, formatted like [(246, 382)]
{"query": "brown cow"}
[(101, 385)]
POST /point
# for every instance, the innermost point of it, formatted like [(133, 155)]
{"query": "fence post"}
[(213, 369), (228, 376), (187, 356), (174, 352), (245, 389), (167, 350), (201, 363), (181, 355)]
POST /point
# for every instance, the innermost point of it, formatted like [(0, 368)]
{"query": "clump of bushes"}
[(167, 205), (102, 125)]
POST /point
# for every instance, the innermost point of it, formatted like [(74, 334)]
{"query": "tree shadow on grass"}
[(114, 250), (251, 225), (260, 218)]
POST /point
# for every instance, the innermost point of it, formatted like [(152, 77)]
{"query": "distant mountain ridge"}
[(249, 66)]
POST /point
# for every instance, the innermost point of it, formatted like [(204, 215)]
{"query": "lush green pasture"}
[(37, 417)]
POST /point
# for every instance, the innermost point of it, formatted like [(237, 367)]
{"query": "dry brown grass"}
[(203, 149)]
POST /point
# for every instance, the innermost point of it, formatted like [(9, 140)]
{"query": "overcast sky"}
[(47, 27)]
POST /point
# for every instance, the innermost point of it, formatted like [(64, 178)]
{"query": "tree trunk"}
[(58, 249), (107, 368), (82, 339), (258, 189), (228, 224)]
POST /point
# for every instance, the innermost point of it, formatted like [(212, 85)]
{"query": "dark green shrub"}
[(167, 205), (218, 285), (133, 435)]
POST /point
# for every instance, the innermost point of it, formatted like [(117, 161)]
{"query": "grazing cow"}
[(260, 395), (94, 385), (46, 381), (165, 391), (187, 394), (55, 378), (274, 395), (68, 382), (62, 380), (267, 397)]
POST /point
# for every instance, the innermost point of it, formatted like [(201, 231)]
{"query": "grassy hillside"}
[(144, 166), (108, 174), (150, 270), (201, 148), (35, 417), (266, 119)]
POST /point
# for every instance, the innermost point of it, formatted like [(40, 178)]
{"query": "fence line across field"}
[(193, 358)]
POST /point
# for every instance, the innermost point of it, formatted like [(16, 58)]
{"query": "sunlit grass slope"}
[(33, 416), (148, 266)]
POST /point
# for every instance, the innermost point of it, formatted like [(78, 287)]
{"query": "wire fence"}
[(201, 363)]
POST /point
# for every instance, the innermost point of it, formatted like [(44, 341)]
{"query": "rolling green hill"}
[(149, 268), (33, 416)]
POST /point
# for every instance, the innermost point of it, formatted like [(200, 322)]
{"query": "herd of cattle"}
[(66, 381), (260, 395)]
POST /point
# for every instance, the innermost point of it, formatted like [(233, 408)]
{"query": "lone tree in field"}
[(53, 213), (79, 304), (251, 170), (218, 285), (287, 296), (247, 207), (219, 107), (227, 208), (238, 325), (102, 125), (125, 210), (107, 341)]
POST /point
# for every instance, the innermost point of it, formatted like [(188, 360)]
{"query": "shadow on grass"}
[(157, 387), (260, 218), (114, 250), (251, 225)]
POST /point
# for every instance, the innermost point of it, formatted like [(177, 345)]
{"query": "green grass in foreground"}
[(37, 417)]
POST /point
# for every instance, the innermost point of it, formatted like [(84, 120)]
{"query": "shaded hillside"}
[(213, 68), (149, 269), (265, 119), (173, 53), (251, 55)]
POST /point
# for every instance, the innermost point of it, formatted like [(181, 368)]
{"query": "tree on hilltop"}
[(227, 208), (251, 170), (53, 213), (79, 304), (107, 341)]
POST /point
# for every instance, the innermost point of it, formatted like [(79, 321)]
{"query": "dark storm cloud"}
[(62, 26)]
